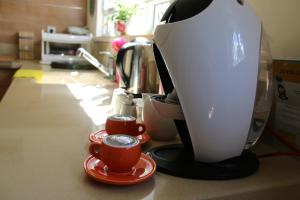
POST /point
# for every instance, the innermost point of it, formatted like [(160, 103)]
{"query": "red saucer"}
[(142, 171), (99, 135)]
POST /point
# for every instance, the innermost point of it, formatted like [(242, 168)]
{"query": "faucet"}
[(86, 55), (110, 63)]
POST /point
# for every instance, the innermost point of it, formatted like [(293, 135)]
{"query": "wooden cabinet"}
[(6, 77), (26, 46)]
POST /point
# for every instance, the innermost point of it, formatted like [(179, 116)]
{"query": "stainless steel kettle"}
[(138, 74)]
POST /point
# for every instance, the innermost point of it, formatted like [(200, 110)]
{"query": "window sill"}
[(127, 37)]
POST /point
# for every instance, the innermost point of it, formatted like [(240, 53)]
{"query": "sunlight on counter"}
[(92, 91), (94, 100)]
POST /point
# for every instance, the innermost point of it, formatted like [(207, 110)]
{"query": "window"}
[(147, 16)]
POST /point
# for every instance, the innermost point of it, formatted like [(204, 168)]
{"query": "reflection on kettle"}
[(138, 74)]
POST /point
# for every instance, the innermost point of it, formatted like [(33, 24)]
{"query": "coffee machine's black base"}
[(173, 160)]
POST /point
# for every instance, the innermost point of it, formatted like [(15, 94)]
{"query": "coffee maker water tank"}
[(213, 53)]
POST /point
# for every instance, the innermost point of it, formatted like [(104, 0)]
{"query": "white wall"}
[(93, 22), (281, 20)]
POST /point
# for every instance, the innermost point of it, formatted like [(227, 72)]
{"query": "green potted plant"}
[(122, 16)]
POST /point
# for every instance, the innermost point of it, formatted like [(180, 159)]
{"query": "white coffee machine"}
[(216, 57)]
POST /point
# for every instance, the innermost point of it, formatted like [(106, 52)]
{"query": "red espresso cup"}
[(124, 124), (118, 152)]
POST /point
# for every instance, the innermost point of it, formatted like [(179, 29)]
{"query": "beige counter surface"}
[(44, 132)]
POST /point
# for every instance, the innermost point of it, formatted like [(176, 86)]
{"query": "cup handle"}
[(140, 125), (94, 149)]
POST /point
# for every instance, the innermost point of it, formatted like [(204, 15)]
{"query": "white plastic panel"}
[(213, 61), (66, 38)]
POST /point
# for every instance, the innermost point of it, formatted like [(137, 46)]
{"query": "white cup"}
[(122, 103), (158, 127), (115, 102), (139, 105), (127, 109)]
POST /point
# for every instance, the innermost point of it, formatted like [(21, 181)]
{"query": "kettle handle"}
[(119, 61)]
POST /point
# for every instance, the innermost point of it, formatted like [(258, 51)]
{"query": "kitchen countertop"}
[(44, 132)]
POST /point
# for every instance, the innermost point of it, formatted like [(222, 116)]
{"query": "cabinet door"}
[(6, 76)]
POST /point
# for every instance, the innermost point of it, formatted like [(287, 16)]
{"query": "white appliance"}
[(214, 54)]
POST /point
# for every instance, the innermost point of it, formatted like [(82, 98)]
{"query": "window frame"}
[(150, 5)]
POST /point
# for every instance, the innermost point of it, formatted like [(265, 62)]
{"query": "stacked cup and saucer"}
[(121, 124), (116, 153)]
